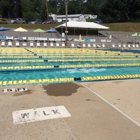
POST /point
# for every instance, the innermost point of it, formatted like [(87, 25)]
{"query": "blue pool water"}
[(69, 63), (67, 73), (57, 73)]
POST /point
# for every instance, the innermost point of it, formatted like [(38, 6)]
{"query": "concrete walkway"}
[(99, 111)]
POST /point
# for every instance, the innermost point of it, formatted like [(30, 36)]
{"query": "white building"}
[(54, 16), (88, 16), (74, 17)]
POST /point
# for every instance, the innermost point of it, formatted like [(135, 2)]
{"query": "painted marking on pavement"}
[(39, 114)]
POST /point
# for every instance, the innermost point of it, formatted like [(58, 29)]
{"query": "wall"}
[(81, 18)]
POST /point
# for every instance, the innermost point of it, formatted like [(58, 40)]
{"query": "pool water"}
[(68, 63), (67, 73), (85, 59)]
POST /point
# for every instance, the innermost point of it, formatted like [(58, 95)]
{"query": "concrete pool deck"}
[(99, 111)]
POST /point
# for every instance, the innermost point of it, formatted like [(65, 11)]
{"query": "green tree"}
[(93, 6), (115, 11), (134, 10), (109, 11), (7, 8), (52, 6), (75, 7), (28, 10), (32, 9)]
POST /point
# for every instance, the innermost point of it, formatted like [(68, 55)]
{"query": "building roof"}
[(69, 16), (88, 25), (87, 14)]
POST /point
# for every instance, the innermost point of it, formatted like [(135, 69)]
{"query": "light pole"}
[(66, 32)]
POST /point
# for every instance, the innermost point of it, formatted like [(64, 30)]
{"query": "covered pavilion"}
[(83, 28)]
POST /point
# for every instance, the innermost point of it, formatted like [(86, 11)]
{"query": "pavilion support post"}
[(61, 30), (109, 33)]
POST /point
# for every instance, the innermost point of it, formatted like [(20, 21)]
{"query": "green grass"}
[(31, 26), (127, 27)]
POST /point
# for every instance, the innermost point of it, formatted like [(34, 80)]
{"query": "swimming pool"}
[(68, 63), (67, 73), (15, 68)]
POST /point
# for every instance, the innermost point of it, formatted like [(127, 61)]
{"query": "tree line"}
[(107, 10)]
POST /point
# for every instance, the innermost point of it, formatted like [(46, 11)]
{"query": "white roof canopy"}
[(88, 25)]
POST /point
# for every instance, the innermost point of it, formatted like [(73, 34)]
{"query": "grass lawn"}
[(31, 26), (127, 27)]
